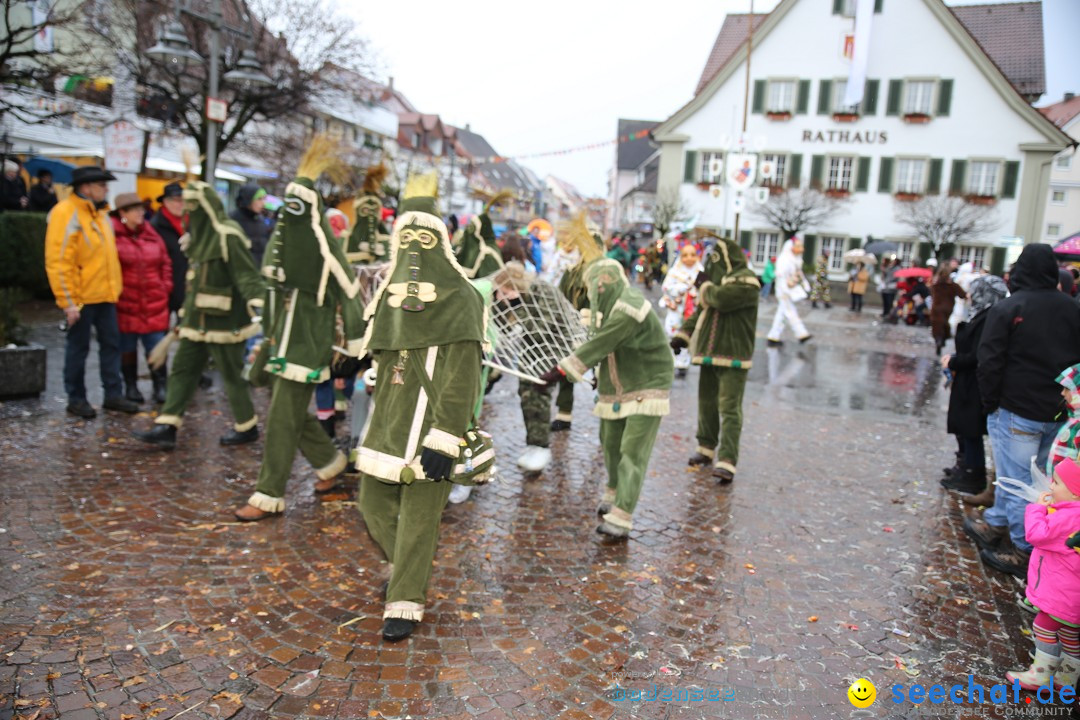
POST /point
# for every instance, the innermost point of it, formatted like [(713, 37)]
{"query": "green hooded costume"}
[(311, 282), (368, 241), (479, 254), (629, 344), (426, 328), (223, 298), (572, 286), (720, 335)]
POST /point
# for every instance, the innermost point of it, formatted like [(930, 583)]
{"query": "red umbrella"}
[(1069, 247), (925, 273)]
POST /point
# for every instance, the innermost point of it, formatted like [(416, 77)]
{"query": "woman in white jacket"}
[(790, 288), (679, 290)]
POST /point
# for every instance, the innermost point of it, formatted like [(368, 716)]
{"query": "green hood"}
[(606, 284), (477, 245), (426, 298), (367, 242), (724, 259), (208, 226)]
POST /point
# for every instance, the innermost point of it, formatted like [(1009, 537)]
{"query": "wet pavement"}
[(128, 592)]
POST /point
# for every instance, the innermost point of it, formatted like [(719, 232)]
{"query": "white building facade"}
[(1063, 203), (937, 117)]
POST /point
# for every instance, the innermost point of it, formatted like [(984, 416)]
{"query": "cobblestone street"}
[(128, 592)]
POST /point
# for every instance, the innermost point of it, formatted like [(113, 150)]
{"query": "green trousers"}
[(536, 411), (564, 401), (289, 425), (628, 444), (187, 367), (404, 521), (720, 397)]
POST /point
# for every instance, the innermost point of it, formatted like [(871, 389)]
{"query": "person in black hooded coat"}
[(250, 200)]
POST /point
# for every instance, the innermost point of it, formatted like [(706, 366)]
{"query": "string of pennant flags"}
[(567, 151)]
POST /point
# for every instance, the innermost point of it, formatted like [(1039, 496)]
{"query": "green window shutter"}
[(1012, 174), (854, 242), (824, 98), (956, 179), (810, 247), (925, 250), (892, 104), (869, 102), (837, 7), (803, 101), (794, 170), (744, 239), (997, 261), (759, 97), (944, 98), (817, 171), (885, 175), (690, 171), (933, 185), (862, 176), (878, 5)]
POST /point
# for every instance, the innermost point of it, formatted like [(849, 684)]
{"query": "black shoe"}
[(206, 382), (680, 373), (723, 476), (160, 378), (698, 459), (1011, 560), (240, 438), (162, 436), (120, 404), (329, 425), (560, 425), (131, 392), (828, 306), (395, 629), (775, 343), (82, 409), (986, 536), (967, 481), (804, 340)]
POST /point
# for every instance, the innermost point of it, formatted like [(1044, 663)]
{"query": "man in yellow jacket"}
[(84, 272)]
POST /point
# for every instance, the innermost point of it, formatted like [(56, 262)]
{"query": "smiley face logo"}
[(862, 693)]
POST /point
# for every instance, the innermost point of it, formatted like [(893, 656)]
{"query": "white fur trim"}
[(723, 465), (564, 416), (655, 407), (721, 361), (355, 347), (619, 518), (298, 373), (380, 465), (219, 337), (404, 610), (574, 368), (334, 469), (266, 503), (422, 399), (213, 302), (175, 420), (638, 313), (707, 452), (194, 190), (245, 426), (274, 272), (286, 334), (442, 442)]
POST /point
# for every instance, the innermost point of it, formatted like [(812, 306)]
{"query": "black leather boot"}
[(160, 379), (162, 436), (234, 437), (129, 369), (395, 629)]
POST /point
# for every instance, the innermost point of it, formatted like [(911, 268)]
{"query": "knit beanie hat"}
[(1068, 472)]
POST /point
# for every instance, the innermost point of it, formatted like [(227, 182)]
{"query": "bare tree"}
[(310, 50), (796, 210), (669, 207), (944, 220), (35, 51)]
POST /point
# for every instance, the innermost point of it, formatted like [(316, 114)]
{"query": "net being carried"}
[(370, 276), (533, 324)]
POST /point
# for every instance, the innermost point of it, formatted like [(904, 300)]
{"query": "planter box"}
[(981, 199), (845, 117), (778, 115), (908, 197), (22, 371), (837, 193), (916, 118), (774, 189)]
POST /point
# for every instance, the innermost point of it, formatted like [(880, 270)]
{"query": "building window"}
[(1057, 197), (910, 175), (835, 247), (766, 245), (847, 8), (918, 97), (712, 167), (418, 141), (1053, 230), (1063, 162), (839, 90), (905, 249), (974, 254), (779, 177), (983, 178), (781, 96), (840, 173)]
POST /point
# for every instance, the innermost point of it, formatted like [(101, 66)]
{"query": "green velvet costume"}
[(478, 254), (572, 286), (629, 344), (721, 335), (310, 283), (223, 297), (368, 240), (426, 318)]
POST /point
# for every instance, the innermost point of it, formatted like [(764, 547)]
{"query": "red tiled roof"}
[(1011, 34), (1060, 113), (732, 36)]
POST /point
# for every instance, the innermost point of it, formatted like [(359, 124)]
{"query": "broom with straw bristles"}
[(497, 199), (323, 157), (373, 179), (575, 234)]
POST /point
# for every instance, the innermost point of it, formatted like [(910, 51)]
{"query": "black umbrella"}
[(881, 248)]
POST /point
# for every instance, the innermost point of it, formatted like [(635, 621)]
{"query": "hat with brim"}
[(123, 201), (90, 174), (171, 190)]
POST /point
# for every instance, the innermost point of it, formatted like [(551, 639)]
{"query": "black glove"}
[(678, 344), (436, 465), (1073, 541), (552, 376), (348, 367), (700, 279)]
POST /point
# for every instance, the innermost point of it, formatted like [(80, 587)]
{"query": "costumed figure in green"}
[(720, 334), (368, 241), (224, 296), (310, 283), (821, 292), (426, 328), (477, 252), (636, 370)]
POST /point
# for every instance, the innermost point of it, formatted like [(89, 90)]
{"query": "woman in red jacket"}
[(143, 308)]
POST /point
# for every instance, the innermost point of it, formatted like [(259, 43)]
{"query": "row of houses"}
[(947, 109)]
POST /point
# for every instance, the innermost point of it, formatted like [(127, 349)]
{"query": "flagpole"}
[(746, 96)]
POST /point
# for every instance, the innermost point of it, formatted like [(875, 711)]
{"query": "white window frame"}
[(918, 188), (972, 187), (931, 96), (770, 107), (1051, 232), (905, 249), (975, 254), (851, 169), (837, 246), (839, 88), (1064, 196), (779, 178), (848, 8), (704, 158), (1063, 161), (771, 238)]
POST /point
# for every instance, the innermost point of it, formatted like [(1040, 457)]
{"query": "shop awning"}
[(152, 163)]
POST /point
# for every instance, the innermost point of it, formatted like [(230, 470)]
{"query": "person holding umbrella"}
[(860, 277)]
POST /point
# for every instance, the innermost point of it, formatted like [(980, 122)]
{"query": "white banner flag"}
[(856, 82), (741, 170)]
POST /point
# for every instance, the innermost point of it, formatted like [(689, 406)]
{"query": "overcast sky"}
[(547, 76)]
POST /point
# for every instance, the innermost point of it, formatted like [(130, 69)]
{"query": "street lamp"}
[(175, 49)]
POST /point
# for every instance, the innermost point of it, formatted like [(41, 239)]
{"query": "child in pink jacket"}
[(1067, 442), (1053, 584)]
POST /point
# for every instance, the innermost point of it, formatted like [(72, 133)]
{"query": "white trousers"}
[(786, 312)]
